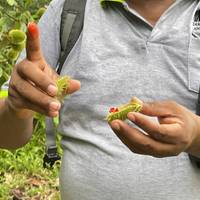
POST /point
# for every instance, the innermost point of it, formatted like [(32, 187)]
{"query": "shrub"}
[(14, 17)]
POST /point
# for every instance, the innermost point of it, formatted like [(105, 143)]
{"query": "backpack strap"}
[(51, 155), (72, 19), (71, 26)]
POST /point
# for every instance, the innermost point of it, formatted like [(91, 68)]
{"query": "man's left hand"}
[(178, 130)]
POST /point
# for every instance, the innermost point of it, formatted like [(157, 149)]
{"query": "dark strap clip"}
[(50, 157)]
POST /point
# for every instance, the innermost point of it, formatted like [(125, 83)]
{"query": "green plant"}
[(14, 17), (22, 172), (22, 175)]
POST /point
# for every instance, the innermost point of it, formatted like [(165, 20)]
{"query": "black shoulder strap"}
[(71, 26)]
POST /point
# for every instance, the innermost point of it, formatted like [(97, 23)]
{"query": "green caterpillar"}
[(135, 105), (62, 84)]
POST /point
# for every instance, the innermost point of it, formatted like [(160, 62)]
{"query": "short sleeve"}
[(49, 26)]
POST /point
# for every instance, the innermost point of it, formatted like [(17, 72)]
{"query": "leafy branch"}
[(15, 15)]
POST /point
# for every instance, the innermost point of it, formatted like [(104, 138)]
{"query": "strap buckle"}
[(50, 157)]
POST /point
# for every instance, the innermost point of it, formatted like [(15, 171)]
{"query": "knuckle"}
[(22, 67), (20, 87), (185, 141), (161, 132), (44, 81), (44, 103), (147, 146)]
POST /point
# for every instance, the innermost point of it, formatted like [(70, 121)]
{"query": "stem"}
[(11, 17)]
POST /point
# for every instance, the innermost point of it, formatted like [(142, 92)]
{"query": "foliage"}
[(15, 15), (22, 175)]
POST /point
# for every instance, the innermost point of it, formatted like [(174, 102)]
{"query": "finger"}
[(167, 133), (158, 109), (33, 49), (39, 78), (35, 96), (20, 103), (136, 141), (74, 85)]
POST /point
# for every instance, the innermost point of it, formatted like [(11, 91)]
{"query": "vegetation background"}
[(22, 176)]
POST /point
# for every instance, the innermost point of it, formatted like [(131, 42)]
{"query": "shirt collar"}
[(102, 2)]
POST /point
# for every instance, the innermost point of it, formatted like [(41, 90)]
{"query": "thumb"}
[(33, 49)]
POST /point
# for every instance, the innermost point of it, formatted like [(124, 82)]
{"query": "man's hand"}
[(177, 130), (32, 85)]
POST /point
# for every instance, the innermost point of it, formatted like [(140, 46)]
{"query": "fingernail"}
[(55, 106), (77, 82), (115, 126), (52, 90), (33, 30)]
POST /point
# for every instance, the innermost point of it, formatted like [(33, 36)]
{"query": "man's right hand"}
[(32, 86)]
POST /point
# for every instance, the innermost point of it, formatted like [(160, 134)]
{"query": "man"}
[(140, 48)]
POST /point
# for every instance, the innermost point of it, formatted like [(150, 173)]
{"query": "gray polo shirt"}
[(119, 55)]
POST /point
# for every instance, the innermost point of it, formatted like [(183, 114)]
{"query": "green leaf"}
[(1, 72), (11, 2)]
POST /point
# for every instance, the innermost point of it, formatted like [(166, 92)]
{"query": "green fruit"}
[(40, 12), (12, 54), (19, 47), (17, 36)]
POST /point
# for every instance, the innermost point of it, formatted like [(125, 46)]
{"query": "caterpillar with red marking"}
[(135, 105)]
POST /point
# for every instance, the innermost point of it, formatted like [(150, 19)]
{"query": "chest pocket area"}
[(194, 56)]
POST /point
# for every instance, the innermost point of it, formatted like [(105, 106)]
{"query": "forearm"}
[(15, 128)]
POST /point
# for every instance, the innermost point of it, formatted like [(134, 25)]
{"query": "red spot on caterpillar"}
[(113, 110), (33, 30), (116, 109)]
